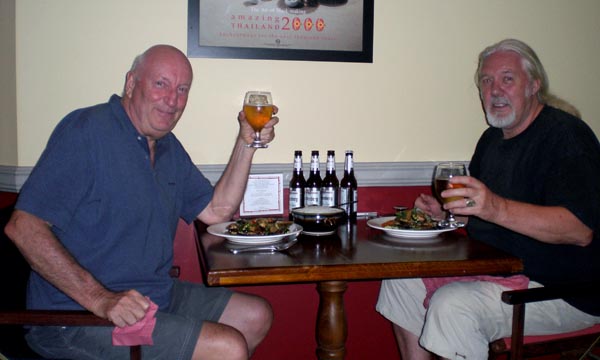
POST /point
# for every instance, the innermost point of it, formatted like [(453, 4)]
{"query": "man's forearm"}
[(550, 224), (230, 188), (49, 258)]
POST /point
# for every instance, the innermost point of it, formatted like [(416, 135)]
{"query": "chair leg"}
[(588, 352), (135, 352), (516, 351)]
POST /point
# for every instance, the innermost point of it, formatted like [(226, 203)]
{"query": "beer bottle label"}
[(328, 196), (354, 201), (312, 196), (295, 198), (345, 199), (349, 200)]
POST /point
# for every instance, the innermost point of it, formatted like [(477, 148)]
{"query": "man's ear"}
[(535, 87), (129, 84)]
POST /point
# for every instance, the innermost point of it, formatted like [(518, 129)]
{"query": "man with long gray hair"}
[(533, 191)]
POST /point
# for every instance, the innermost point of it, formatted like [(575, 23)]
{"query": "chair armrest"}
[(60, 318), (518, 298), (52, 318), (513, 297)]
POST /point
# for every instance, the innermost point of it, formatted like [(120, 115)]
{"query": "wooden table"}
[(354, 252)]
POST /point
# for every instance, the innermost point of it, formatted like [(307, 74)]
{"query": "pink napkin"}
[(513, 282), (139, 333)]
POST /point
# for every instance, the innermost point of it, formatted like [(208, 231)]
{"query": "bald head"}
[(160, 53), (156, 90)]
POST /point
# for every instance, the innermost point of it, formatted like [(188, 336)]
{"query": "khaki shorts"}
[(464, 317)]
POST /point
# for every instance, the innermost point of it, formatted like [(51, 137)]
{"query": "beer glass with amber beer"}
[(258, 108), (441, 182)]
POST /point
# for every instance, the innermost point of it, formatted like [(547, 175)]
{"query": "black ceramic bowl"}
[(318, 220)]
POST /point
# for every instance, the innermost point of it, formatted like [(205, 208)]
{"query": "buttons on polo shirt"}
[(144, 145)]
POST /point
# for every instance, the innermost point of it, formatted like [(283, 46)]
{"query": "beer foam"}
[(258, 99)]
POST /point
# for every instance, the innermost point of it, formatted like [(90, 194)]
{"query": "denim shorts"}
[(174, 336)]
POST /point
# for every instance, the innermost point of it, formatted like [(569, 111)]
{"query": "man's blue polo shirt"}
[(109, 207)]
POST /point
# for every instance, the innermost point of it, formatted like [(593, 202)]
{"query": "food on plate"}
[(411, 219), (259, 227)]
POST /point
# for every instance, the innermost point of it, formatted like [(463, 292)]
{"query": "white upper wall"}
[(416, 102)]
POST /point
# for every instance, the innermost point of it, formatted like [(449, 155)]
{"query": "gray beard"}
[(500, 122)]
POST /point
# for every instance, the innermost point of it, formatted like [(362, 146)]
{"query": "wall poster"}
[(315, 30)]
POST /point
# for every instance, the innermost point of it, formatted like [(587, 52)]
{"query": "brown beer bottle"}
[(349, 188), (331, 184), (312, 191), (297, 183)]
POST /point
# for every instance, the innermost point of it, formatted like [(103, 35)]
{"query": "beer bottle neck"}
[(349, 165), (330, 166), (298, 164), (314, 165)]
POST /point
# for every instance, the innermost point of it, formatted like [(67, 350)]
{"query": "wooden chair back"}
[(14, 272), (580, 344)]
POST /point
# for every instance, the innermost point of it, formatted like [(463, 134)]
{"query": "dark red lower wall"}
[(295, 306), (7, 199)]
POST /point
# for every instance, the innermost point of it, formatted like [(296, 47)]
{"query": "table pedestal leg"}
[(331, 320)]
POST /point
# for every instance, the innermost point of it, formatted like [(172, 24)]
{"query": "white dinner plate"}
[(221, 230), (405, 233), (400, 207), (433, 243)]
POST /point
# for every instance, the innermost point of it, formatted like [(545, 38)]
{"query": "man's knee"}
[(218, 341), (453, 325), (450, 301), (262, 315), (249, 314), (253, 311)]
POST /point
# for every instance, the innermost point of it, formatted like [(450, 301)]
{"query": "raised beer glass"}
[(258, 108), (441, 182)]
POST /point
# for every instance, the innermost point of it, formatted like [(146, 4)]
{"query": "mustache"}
[(500, 100)]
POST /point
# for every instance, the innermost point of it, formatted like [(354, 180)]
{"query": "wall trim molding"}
[(13, 177), (367, 174)]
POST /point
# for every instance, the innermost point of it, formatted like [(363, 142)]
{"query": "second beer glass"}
[(441, 181)]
